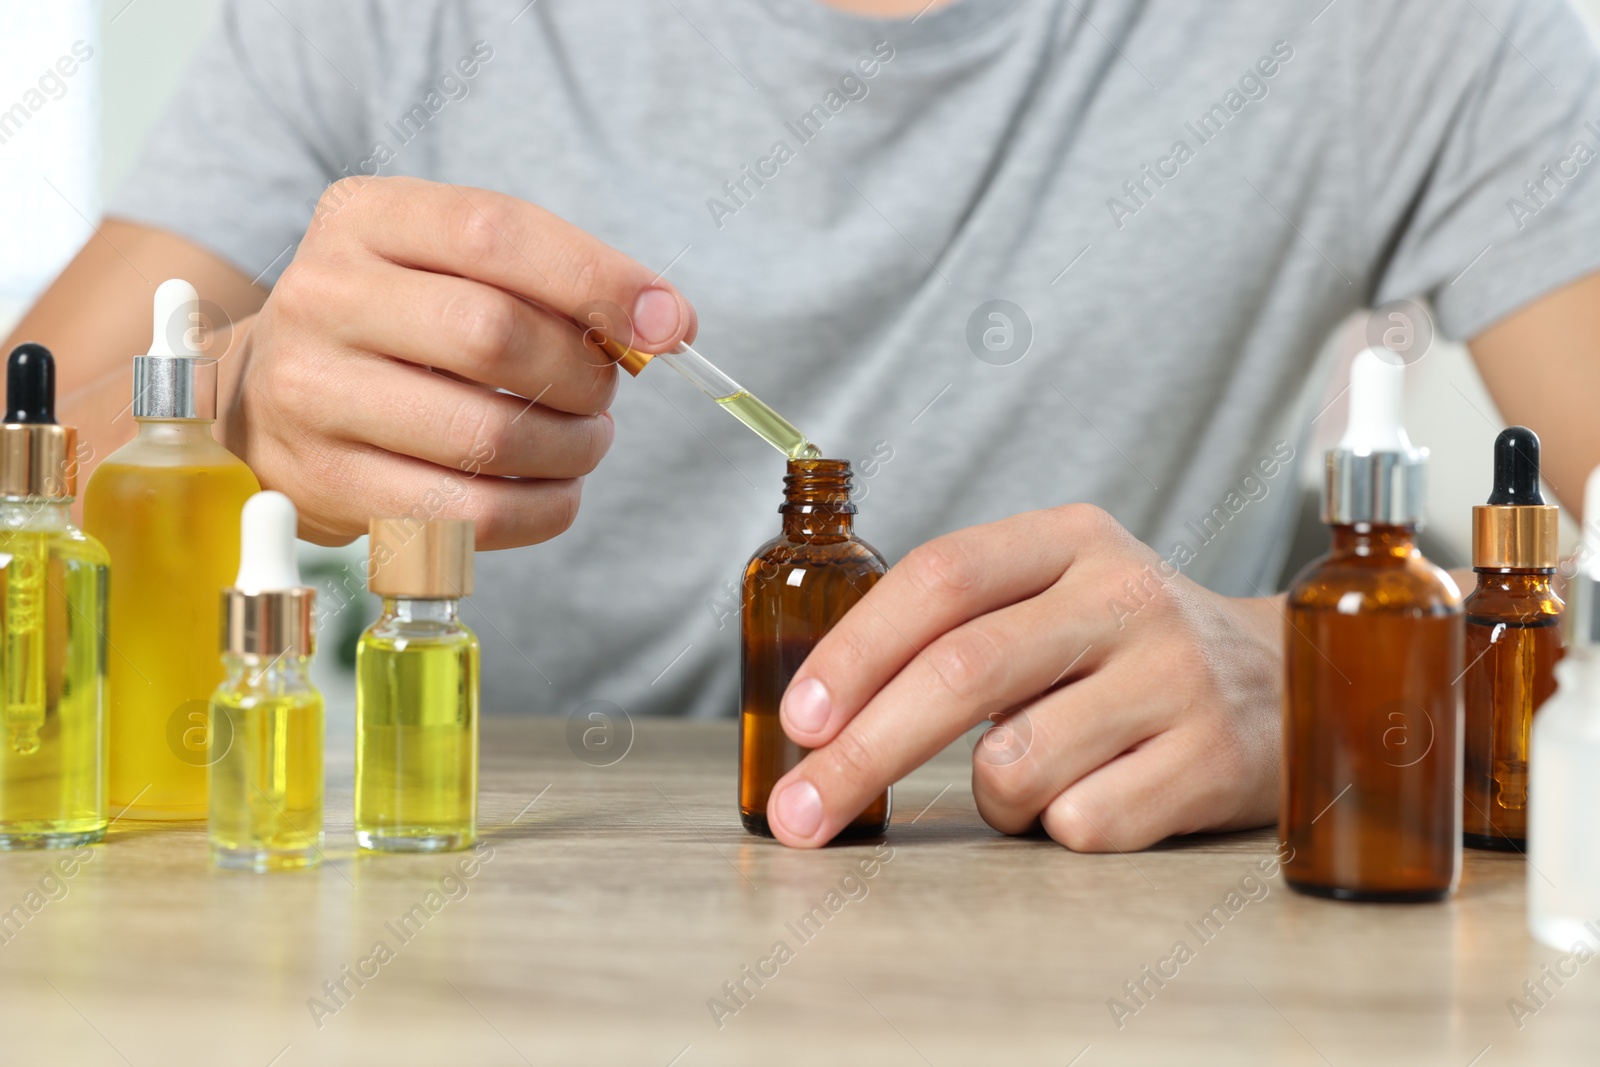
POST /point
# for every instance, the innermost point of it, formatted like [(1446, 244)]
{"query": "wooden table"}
[(612, 903)]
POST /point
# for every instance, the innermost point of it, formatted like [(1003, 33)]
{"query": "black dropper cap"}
[(1516, 469), (31, 385)]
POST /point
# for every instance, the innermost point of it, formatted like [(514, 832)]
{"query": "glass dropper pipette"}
[(732, 397)]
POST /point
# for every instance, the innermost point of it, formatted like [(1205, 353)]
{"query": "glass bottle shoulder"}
[(1514, 595), (847, 555), (72, 545), (173, 443), (393, 634), (252, 680), (50, 520), (1349, 583)]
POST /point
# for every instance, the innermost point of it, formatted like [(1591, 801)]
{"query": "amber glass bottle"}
[(1513, 642), (1371, 745), (795, 588)]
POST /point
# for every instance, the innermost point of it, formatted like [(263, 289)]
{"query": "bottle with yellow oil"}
[(52, 626), (166, 506), (417, 692), (265, 729)]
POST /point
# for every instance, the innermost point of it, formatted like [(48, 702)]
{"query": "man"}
[(1051, 272)]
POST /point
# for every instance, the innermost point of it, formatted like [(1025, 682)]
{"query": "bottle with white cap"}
[(166, 506), (1371, 808), (266, 722), (1564, 767)]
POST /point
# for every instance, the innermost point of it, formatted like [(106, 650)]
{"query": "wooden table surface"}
[(611, 903)]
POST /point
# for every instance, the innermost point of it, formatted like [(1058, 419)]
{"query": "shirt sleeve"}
[(1477, 134), (270, 112)]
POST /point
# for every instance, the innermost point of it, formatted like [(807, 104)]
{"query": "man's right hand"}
[(421, 352)]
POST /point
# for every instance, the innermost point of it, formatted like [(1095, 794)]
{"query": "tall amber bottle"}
[(166, 506), (1513, 642), (795, 588), (1372, 707)]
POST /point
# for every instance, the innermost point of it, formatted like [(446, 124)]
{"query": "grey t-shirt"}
[(1175, 201)]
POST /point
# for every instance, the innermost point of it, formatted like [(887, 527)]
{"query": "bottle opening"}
[(817, 485)]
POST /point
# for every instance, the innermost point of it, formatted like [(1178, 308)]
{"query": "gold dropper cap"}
[(274, 622), (1516, 529), (426, 560), (1515, 537), (38, 461), (629, 359), (267, 612), (38, 456)]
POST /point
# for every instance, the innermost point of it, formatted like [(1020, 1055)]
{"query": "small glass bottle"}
[(1564, 768), (796, 587), (1372, 735), (53, 580), (417, 692), (1512, 645), (166, 506), (266, 723)]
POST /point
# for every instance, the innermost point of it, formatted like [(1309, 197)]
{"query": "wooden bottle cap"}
[(428, 560)]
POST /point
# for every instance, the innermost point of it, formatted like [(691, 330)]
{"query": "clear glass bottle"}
[(1564, 768), (1372, 733), (265, 732), (417, 692), (53, 580), (1513, 640), (796, 587), (166, 506)]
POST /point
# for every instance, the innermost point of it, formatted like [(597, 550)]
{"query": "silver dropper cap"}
[(174, 381), (1374, 474), (1582, 594)]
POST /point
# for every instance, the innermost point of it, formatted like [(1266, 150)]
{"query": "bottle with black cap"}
[(1513, 642), (1371, 742), (52, 631)]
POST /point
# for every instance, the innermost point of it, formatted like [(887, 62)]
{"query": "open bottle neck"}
[(417, 609), (1518, 580), (35, 513), (278, 675), (816, 500), (175, 431)]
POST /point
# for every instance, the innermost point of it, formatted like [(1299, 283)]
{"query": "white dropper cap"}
[(1375, 406), (176, 312), (1374, 473), (267, 561)]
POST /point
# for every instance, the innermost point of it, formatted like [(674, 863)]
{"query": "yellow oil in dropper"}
[(733, 398), (776, 430)]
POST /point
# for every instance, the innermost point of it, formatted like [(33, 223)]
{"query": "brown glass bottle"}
[(1512, 645), (795, 588), (1372, 722), (1370, 802)]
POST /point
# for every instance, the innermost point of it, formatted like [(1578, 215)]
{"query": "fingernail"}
[(799, 808), (805, 706), (656, 316)]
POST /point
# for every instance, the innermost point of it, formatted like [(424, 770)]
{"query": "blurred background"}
[(57, 168)]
